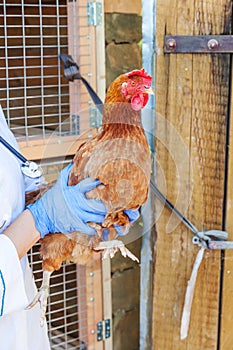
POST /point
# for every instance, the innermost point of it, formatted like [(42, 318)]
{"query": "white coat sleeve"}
[(12, 292)]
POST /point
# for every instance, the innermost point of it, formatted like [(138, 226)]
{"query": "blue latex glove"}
[(66, 209), (133, 215)]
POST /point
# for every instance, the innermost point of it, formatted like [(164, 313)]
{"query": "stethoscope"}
[(29, 168)]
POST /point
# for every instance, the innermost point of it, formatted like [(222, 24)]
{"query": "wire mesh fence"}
[(33, 93), (38, 102), (67, 304)]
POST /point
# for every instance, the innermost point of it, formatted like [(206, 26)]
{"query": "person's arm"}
[(23, 233), (34, 223), (63, 209)]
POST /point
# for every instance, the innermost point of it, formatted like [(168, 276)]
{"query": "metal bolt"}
[(171, 44), (92, 331), (91, 274), (212, 44), (92, 299)]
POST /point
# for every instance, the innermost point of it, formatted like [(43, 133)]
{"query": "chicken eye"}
[(133, 83)]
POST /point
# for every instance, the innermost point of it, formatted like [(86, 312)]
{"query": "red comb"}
[(140, 72)]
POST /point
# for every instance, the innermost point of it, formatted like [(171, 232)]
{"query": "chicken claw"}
[(112, 247), (42, 297)]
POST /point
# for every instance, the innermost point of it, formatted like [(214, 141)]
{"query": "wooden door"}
[(193, 95)]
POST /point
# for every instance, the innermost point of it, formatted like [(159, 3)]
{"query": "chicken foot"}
[(42, 296), (55, 248), (112, 247), (78, 251)]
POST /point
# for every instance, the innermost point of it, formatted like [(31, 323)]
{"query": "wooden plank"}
[(81, 281), (89, 299), (79, 43), (53, 147), (74, 51), (122, 6), (191, 112), (94, 301), (107, 299), (100, 58), (226, 336)]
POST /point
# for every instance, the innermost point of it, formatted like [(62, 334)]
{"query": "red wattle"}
[(139, 101), (136, 103)]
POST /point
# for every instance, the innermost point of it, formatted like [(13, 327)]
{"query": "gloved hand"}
[(66, 209), (133, 215)]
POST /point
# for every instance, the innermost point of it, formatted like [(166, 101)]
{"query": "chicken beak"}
[(148, 90)]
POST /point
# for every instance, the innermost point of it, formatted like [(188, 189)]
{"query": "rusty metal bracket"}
[(198, 44)]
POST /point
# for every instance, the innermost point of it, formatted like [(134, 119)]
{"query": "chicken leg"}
[(42, 296), (78, 249), (55, 248)]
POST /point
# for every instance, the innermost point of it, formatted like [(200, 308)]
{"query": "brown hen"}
[(119, 157)]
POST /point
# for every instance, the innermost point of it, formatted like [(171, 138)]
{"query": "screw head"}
[(171, 44), (212, 44)]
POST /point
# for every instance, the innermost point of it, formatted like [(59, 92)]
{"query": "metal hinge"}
[(94, 13), (103, 330), (198, 44)]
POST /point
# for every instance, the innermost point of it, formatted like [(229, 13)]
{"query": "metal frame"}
[(148, 118), (198, 44)]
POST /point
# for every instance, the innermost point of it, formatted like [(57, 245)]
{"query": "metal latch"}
[(103, 330), (94, 13), (198, 44)]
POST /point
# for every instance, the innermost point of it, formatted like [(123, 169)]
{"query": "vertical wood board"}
[(81, 39), (107, 300), (122, 6), (94, 302), (226, 339), (192, 94)]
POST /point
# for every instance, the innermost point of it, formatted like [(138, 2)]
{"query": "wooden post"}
[(107, 300), (80, 40), (122, 6), (192, 93), (94, 301), (226, 336)]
